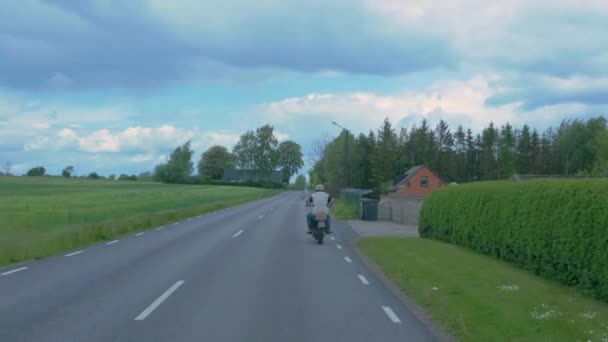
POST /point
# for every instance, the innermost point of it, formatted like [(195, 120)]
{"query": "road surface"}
[(248, 273)]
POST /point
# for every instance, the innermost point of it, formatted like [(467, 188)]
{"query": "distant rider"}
[(319, 201)]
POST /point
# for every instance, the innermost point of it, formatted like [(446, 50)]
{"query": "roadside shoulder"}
[(434, 328)]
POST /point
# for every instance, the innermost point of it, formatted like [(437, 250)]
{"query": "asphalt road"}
[(248, 273)]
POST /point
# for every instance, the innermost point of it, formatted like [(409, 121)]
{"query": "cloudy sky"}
[(112, 86)]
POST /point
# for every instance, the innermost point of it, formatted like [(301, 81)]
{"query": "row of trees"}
[(257, 152), (574, 147)]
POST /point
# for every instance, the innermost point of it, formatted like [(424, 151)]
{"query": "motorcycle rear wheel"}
[(319, 238)]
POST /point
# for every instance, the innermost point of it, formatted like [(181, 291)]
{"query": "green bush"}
[(556, 228), (343, 210)]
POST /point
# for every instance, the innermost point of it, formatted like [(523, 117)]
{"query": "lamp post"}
[(345, 153)]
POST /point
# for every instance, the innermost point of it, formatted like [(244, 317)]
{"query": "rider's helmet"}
[(319, 187)]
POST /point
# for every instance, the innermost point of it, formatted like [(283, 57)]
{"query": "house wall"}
[(415, 188), (402, 209)]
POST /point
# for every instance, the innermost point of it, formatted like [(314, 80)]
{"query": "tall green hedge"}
[(555, 228)]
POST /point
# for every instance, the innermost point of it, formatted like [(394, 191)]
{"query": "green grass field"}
[(47, 215), (478, 298)]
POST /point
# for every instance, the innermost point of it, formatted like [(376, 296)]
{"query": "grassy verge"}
[(44, 216), (478, 298), (343, 210)]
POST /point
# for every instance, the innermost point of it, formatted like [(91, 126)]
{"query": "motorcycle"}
[(319, 228)]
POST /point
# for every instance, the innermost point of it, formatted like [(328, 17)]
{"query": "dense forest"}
[(575, 147)]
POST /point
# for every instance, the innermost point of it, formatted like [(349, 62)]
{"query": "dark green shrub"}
[(555, 228)]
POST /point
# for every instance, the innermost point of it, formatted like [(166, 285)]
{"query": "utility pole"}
[(345, 131)]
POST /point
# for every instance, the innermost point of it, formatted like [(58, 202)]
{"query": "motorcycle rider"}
[(319, 201)]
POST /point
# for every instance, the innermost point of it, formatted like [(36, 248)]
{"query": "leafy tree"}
[(214, 161), (178, 168), (599, 147), (300, 183), (93, 175), (67, 171), (125, 177), (244, 151), (264, 153), (145, 176), (330, 168), (36, 171), (289, 159)]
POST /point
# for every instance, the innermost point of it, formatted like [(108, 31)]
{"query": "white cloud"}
[(220, 138), (541, 35), (41, 125), (139, 144), (455, 101), (142, 158), (36, 143), (100, 141), (280, 135)]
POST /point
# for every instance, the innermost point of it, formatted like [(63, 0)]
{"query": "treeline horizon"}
[(575, 147), (257, 151), (69, 172)]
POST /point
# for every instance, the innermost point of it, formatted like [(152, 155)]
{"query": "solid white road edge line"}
[(75, 253), (158, 301), (111, 242), (339, 247), (261, 217), (15, 271), (238, 233), (139, 234), (333, 238), (348, 259), (389, 312), (363, 279), (355, 229), (176, 223)]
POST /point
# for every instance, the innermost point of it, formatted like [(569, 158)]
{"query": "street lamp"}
[(345, 153)]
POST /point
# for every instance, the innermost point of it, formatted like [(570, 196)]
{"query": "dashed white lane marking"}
[(74, 253), (238, 233), (348, 259), (389, 312), (14, 271), (111, 242), (161, 227), (139, 234), (158, 301), (189, 220), (176, 223), (363, 279), (332, 238), (339, 247), (261, 217)]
